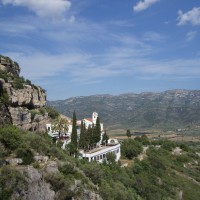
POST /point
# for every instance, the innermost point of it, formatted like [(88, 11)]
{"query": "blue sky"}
[(86, 47)]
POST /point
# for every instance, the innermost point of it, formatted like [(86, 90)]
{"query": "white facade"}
[(99, 154), (94, 117), (90, 121)]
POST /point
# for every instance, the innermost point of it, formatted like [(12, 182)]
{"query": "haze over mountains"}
[(167, 110)]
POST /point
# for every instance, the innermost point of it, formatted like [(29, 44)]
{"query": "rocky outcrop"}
[(20, 100), (30, 97), (5, 117), (14, 161), (9, 66), (37, 187), (27, 120)]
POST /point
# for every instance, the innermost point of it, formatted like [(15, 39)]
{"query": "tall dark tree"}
[(128, 133), (87, 138), (97, 131), (82, 140), (105, 138), (90, 137), (74, 131)]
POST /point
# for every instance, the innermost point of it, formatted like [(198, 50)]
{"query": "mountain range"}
[(166, 110)]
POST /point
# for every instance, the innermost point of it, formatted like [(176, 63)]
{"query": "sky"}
[(87, 47)]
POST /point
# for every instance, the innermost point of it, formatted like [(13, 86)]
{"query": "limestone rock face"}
[(23, 118), (7, 65), (5, 117), (37, 188), (27, 97), (20, 100)]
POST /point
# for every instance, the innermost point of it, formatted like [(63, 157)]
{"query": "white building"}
[(99, 154), (90, 121)]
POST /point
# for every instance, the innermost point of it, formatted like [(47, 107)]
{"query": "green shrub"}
[(184, 147), (131, 148), (40, 144), (57, 181), (11, 137), (94, 171), (4, 98), (111, 158), (52, 112), (42, 111), (3, 151), (18, 83), (57, 153), (36, 165), (4, 75), (28, 82), (67, 168), (10, 181), (168, 145), (26, 154)]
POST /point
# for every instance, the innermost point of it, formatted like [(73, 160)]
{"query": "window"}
[(104, 155), (100, 156)]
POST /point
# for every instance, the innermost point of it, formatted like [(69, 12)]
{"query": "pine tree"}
[(74, 131)]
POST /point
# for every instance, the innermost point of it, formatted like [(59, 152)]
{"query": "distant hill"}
[(166, 110)]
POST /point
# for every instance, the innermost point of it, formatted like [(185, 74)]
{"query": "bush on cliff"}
[(11, 137)]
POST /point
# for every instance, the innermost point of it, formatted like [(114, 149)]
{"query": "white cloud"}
[(153, 36), (43, 8), (191, 35), (143, 5), (190, 17), (36, 66)]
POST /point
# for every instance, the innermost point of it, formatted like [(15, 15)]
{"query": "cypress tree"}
[(74, 131), (86, 138), (82, 136), (90, 136), (97, 132), (105, 138)]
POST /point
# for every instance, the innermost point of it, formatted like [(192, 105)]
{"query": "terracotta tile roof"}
[(89, 119)]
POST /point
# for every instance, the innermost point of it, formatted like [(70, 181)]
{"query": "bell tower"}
[(94, 117)]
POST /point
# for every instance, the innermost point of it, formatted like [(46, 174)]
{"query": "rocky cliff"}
[(38, 188), (20, 101)]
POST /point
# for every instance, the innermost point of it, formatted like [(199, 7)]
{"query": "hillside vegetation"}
[(165, 173), (166, 110)]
